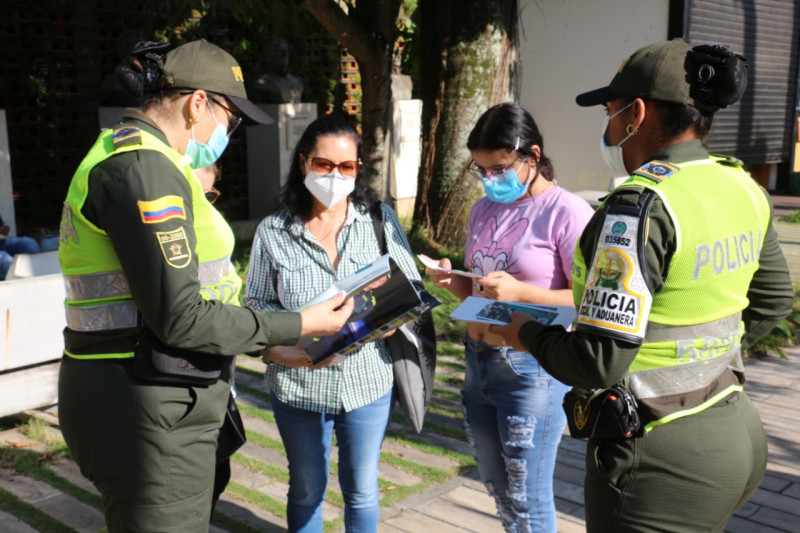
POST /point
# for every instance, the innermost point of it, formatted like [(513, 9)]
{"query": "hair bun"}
[(717, 77), (140, 71)]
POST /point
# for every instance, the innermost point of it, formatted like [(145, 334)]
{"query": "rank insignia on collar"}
[(656, 170), (175, 247), (125, 136)]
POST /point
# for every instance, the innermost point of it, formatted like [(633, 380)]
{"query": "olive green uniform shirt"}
[(591, 361), (168, 298)]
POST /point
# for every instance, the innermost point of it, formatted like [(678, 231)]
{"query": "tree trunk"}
[(469, 64), (368, 31)]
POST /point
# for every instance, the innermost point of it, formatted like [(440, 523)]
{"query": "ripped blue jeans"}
[(514, 421)]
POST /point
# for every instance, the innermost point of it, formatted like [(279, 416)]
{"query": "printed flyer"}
[(487, 311), (386, 300)]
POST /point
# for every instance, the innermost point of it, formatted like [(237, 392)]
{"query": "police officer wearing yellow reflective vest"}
[(678, 272), (152, 314)]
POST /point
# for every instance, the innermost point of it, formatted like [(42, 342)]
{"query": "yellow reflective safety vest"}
[(98, 297), (690, 332)]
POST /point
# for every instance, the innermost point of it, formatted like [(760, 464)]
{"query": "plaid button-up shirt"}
[(288, 267)]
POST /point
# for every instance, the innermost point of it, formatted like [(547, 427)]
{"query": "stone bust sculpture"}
[(277, 86)]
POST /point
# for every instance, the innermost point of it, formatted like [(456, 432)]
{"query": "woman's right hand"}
[(326, 318), (439, 278)]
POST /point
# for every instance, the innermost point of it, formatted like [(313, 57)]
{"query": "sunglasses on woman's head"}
[(348, 169)]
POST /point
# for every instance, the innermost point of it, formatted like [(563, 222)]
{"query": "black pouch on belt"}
[(602, 414), (156, 363)]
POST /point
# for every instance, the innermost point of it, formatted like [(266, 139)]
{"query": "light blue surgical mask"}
[(203, 154), (505, 190)]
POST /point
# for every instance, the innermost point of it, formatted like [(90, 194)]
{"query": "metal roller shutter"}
[(760, 128)]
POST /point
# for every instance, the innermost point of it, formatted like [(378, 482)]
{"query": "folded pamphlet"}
[(431, 264)]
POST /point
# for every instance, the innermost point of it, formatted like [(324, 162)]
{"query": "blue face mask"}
[(201, 155), (505, 191)]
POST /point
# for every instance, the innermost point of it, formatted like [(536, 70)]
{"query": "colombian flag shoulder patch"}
[(162, 209)]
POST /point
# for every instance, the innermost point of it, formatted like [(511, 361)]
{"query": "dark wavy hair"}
[(500, 127), (295, 197)]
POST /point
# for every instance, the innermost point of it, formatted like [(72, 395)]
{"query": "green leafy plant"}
[(791, 218), (786, 333)]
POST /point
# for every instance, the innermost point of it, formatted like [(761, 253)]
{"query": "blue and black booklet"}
[(385, 299)]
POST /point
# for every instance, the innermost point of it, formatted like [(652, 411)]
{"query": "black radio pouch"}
[(154, 362), (602, 414)]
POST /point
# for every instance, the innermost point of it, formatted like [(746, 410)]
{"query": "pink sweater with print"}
[(532, 239)]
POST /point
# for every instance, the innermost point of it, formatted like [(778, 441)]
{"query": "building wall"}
[(571, 46)]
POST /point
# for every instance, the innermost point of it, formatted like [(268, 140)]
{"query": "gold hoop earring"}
[(630, 130)]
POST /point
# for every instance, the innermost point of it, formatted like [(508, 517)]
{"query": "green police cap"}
[(202, 65), (655, 72)]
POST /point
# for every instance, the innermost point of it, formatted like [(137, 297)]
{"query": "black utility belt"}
[(602, 414), (154, 362)]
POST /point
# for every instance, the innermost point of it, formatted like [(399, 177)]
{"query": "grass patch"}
[(465, 462), (447, 394), (31, 464), (791, 218), (30, 514), (785, 334), (249, 372), (459, 367), (452, 380), (451, 349), (252, 391)]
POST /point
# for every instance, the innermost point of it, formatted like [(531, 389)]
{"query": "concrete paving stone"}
[(415, 522), (396, 476), (777, 519), (69, 470), (741, 525), (568, 491), (60, 506), (16, 439), (460, 515), (475, 484), (793, 490), (477, 500), (747, 510), (263, 454), (12, 524), (570, 510), (572, 474), (776, 501), (252, 515), (418, 456), (567, 525), (383, 527), (776, 484), (276, 490), (446, 442), (214, 529), (262, 427)]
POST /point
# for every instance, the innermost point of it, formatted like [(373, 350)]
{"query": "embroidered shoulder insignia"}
[(125, 136), (657, 171), (161, 209)]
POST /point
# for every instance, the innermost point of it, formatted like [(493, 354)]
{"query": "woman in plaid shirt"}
[(325, 233)]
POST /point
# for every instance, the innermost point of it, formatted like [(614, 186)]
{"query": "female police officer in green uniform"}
[(701, 277), (152, 320)]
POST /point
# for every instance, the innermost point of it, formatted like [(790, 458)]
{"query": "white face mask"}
[(612, 155), (330, 189)]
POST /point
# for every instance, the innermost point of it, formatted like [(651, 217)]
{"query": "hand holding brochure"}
[(384, 300), (488, 311), (430, 263), (354, 282)]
